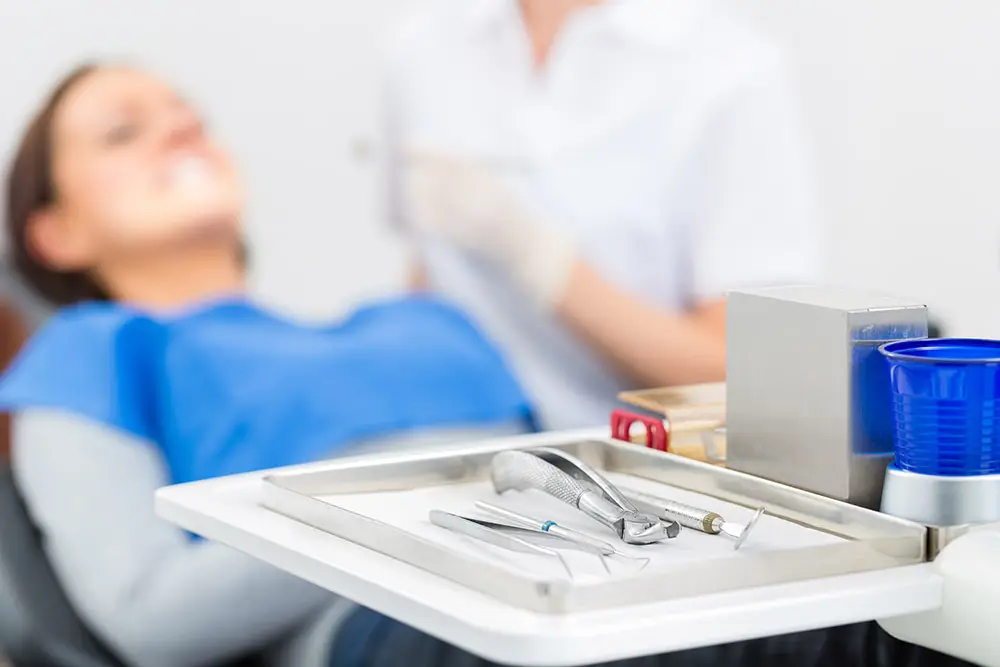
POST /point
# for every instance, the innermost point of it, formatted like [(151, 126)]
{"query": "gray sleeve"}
[(156, 597)]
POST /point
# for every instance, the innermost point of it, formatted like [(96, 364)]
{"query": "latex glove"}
[(468, 205)]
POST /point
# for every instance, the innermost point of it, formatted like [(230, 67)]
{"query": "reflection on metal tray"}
[(846, 538)]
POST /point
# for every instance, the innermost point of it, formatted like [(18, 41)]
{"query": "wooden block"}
[(684, 403)]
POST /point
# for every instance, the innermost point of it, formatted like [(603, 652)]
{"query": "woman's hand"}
[(467, 204)]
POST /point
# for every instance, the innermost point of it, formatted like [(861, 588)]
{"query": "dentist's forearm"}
[(652, 346)]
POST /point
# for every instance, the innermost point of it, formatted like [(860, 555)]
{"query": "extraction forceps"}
[(520, 471), (589, 477)]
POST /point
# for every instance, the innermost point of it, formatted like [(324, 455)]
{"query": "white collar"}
[(484, 14), (658, 23)]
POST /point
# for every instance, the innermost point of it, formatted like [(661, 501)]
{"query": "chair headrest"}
[(32, 308)]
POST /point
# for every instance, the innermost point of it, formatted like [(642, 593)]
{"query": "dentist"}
[(589, 178)]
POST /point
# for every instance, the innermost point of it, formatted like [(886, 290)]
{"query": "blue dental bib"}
[(229, 388)]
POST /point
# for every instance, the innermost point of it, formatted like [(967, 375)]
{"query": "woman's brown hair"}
[(30, 188)]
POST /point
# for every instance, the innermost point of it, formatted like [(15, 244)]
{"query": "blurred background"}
[(899, 95)]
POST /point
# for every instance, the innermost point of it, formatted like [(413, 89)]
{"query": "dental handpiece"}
[(516, 470), (695, 518)]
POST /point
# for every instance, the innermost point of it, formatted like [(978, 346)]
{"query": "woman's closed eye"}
[(121, 133)]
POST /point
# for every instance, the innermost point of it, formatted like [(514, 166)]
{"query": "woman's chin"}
[(211, 224), (186, 227), (208, 213)]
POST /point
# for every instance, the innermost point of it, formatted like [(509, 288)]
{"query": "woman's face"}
[(133, 169)]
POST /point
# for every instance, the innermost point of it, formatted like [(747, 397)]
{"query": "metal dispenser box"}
[(807, 391)]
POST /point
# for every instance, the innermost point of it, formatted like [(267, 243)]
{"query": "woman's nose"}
[(182, 126)]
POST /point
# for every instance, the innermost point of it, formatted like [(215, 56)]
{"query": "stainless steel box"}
[(807, 392)]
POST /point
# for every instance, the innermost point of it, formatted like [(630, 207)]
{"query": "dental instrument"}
[(589, 477), (520, 471), (696, 518), (601, 547), (488, 533)]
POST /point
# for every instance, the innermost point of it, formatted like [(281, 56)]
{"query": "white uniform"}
[(660, 134)]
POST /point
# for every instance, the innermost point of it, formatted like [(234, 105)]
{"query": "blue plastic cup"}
[(945, 405)]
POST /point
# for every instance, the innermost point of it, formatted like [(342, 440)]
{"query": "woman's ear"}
[(54, 243)]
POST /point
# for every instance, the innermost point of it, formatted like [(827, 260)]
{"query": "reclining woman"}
[(157, 369)]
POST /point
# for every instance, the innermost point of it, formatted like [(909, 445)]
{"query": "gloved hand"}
[(465, 203)]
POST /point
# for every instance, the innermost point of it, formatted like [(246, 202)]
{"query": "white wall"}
[(901, 96), (904, 103)]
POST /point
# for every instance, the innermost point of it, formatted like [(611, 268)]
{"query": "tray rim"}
[(887, 541)]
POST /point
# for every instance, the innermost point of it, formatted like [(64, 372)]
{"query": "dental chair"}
[(38, 625)]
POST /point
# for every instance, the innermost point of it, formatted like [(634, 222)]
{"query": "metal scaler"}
[(696, 518), (599, 547), (493, 534), (518, 471)]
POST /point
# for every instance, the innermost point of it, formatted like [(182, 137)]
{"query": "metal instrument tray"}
[(383, 504)]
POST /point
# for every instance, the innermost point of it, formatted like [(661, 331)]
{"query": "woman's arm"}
[(653, 346), (745, 206), (749, 203), (415, 278), (156, 597)]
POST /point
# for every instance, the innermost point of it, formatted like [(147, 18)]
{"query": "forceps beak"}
[(638, 528)]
